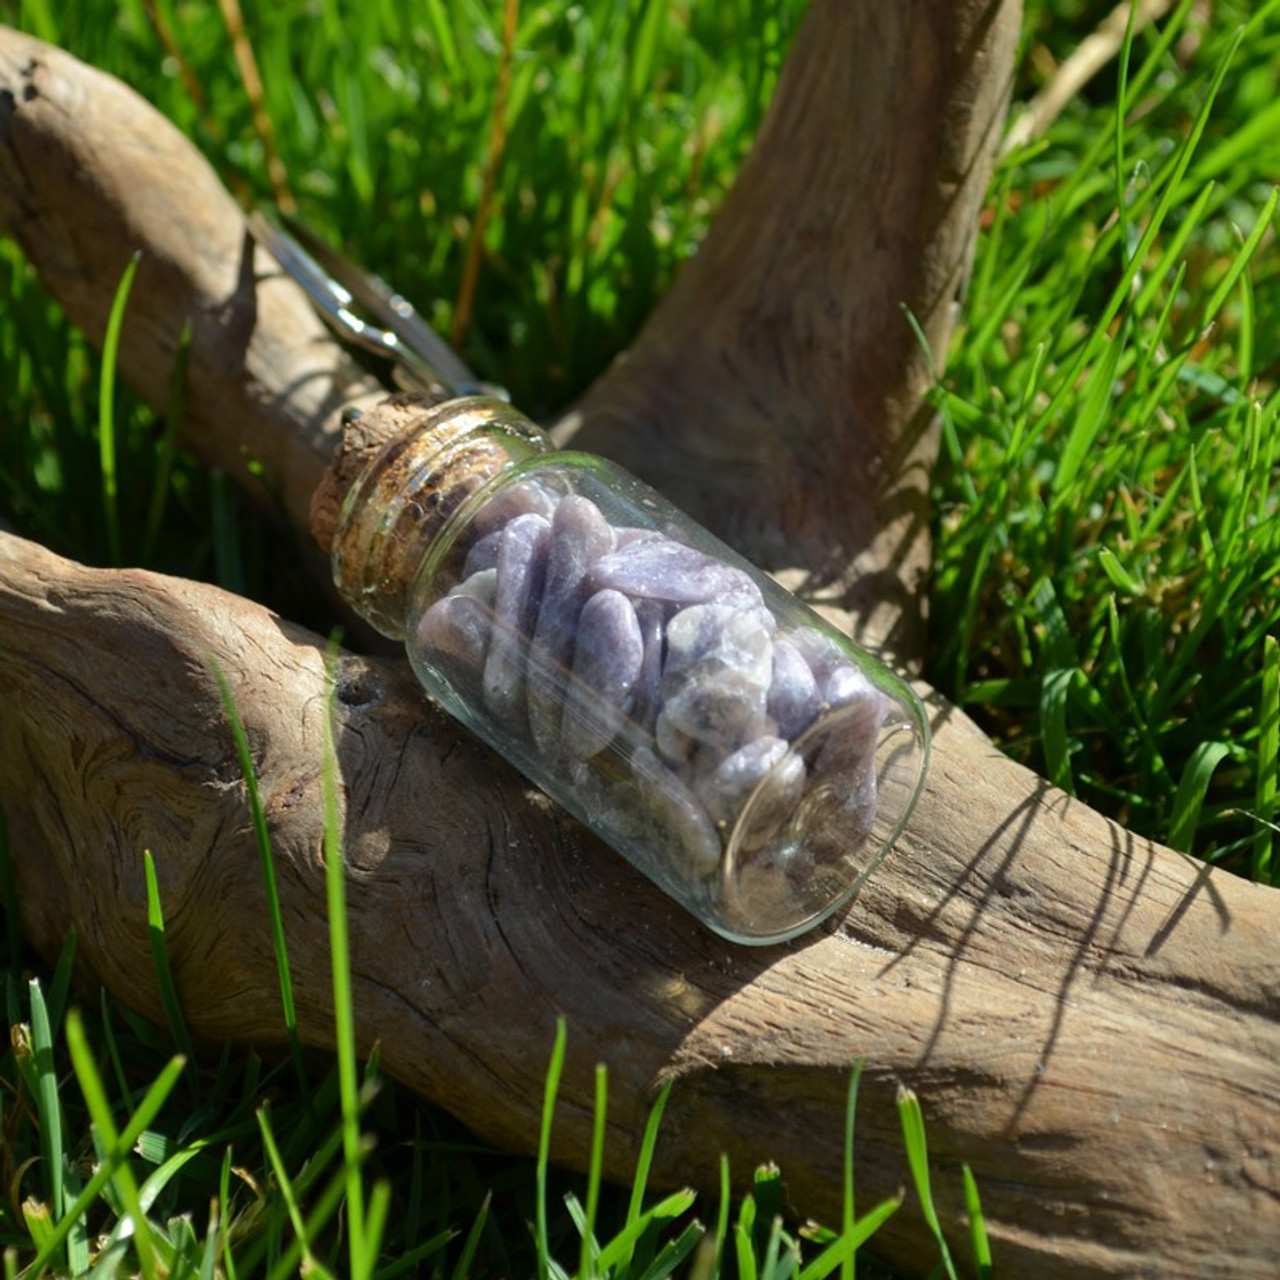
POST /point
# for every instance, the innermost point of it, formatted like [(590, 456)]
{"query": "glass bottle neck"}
[(402, 499)]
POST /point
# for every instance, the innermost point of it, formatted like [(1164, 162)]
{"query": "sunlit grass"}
[(1108, 561)]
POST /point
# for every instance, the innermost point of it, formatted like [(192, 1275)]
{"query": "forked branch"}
[(1089, 1018)]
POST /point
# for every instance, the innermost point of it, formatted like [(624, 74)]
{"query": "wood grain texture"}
[(1090, 1019)]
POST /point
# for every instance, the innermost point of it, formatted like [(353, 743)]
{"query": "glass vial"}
[(717, 732)]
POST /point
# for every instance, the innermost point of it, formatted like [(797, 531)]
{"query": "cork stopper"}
[(402, 469), (364, 435)]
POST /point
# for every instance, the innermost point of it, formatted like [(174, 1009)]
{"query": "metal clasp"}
[(421, 359)]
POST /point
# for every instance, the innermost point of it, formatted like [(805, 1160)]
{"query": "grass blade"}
[(326, 1205), (38, 1220), (843, 1250), (912, 1119), (1054, 692), (1093, 413), (262, 838), (977, 1226), (674, 1252), (48, 1106), (744, 1247), (851, 1106), (285, 1186), (469, 1246), (722, 1215), (1121, 110), (643, 53), (209, 1256), (1172, 252), (1192, 787), (340, 961), (160, 955), (1119, 576), (590, 1249), (620, 1251), (551, 1088), (117, 1148), (640, 1182), (410, 1259), (224, 1216), (106, 411), (1172, 187), (1266, 867), (375, 1224), (78, 1253), (440, 26), (1242, 259)]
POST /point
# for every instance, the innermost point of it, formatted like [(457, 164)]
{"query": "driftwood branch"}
[(1090, 1018)]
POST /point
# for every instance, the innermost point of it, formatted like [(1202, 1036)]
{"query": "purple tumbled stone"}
[(722, 710), (526, 497), (727, 786), (677, 811), (483, 554), (847, 684), (848, 748), (607, 657), (754, 791), (627, 534), (580, 535), (773, 803), (706, 638), (716, 676), (740, 592), (652, 618), (675, 747), (662, 569), (843, 774), (793, 694), (521, 569), (821, 652), (458, 626)]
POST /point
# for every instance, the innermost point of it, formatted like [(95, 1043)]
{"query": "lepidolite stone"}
[(522, 559), (460, 626), (652, 679), (661, 569), (606, 666), (580, 535), (793, 692)]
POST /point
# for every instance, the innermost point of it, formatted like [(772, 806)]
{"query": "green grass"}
[(1105, 597), (1108, 555)]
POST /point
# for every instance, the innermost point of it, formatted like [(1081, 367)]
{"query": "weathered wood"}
[(1091, 1020)]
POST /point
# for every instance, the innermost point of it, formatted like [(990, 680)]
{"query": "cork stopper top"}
[(402, 469), (364, 435)]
